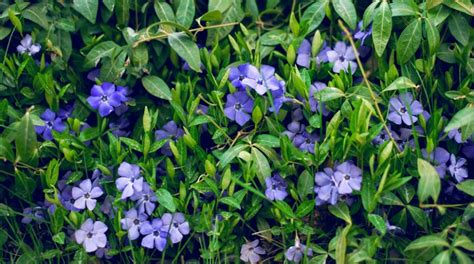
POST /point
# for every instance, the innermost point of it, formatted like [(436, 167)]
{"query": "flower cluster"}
[(332, 183)]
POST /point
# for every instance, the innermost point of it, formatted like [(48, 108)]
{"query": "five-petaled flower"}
[(106, 98), (343, 57), (250, 252), (404, 108), (295, 253), (276, 188), (27, 46), (176, 225), (348, 177), (85, 195), (51, 122), (238, 107), (326, 187), (130, 180), (132, 222), (457, 168), (91, 235), (155, 236), (261, 81), (145, 199)]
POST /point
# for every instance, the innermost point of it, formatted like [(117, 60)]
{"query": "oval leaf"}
[(382, 28), (409, 41), (157, 87), (186, 49)]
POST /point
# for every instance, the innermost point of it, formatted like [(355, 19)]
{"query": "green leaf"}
[(165, 13), (52, 173), (382, 27), (232, 14), (6, 150), (305, 184), (462, 257), (261, 165), (402, 9), (341, 245), (87, 8), (101, 50), (314, 14), (15, 20), (346, 10), (341, 211), (368, 194), (399, 84), (156, 87), (429, 184), (432, 34), (419, 216), (186, 49), (37, 14), (285, 208), (464, 6), (442, 258), (25, 140), (231, 201), (409, 41), (268, 140), (466, 186), (329, 94), (462, 118), (305, 208), (458, 26), (185, 13), (166, 199), (369, 13), (230, 154), (426, 242), (378, 222), (122, 12)]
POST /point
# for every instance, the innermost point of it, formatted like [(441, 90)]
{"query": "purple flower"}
[(50, 122), (361, 33), (383, 136), (66, 199), (93, 75), (85, 195), (295, 253), (145, 200), (27, 46), (404, 108), (91, 235), (348, 177), (314, 104), (132, 222), (343, 57), (261, 81), (300, 138), (119, 127), (105, 98), (304, 58), (279, 98), (66, 112), (107, 206), (326, 187), (457, 168), (33, 213), (170, 131), (250, 252), (130, 180), (238, 74), (276, 188), (456, 135), (155, 237), (238, 107), (438, 158), (176, 225)]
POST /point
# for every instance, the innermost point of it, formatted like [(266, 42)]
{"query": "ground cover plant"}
[(226, 131)]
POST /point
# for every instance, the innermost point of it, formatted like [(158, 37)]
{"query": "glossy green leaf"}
[(466, 186), (25, 140), (156, 87), (261, 165), (166, 199), (186, 49), (341, 211), (314, 14), (101, 50), (378, 222), (432, 34), (458, 26), (400, 83), (185, 13), (382, 27), (346, 10), (230, 154), (409, 41), (37, 14), (429, 184), (87, 8), (426, 242), (462, 118)]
